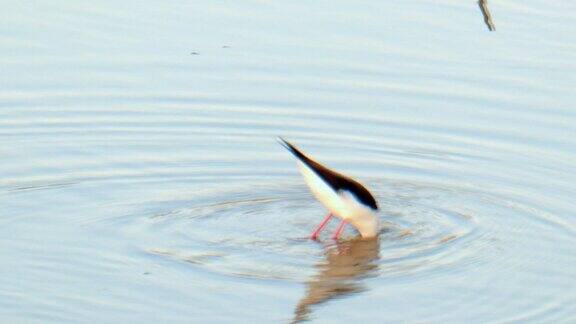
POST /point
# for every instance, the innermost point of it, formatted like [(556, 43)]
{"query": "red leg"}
[(339, 230), (318, 229)]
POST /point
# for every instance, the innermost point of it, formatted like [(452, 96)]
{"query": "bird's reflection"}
[(486, 13), (340, 274)]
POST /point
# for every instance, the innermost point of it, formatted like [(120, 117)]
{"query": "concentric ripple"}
[(262, 232)]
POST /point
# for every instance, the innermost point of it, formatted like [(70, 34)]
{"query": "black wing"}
[(335, 180)]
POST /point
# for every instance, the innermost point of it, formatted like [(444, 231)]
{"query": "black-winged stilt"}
[(342, 196)]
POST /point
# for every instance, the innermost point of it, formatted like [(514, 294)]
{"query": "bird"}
[(343, 196)]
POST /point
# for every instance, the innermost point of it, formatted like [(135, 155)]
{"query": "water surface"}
[(140, 179)]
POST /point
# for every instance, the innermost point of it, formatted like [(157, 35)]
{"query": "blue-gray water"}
[(140, 179)]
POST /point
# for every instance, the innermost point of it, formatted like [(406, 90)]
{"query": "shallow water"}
[(140, 179)]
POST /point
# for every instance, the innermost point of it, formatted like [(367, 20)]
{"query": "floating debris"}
[(483, 4)]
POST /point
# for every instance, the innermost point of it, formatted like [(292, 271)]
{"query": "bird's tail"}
[(297, 153)]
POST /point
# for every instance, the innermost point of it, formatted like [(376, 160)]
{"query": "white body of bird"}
[(341, 203)]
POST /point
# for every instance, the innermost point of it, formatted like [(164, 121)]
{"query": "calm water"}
[(140, 179)]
